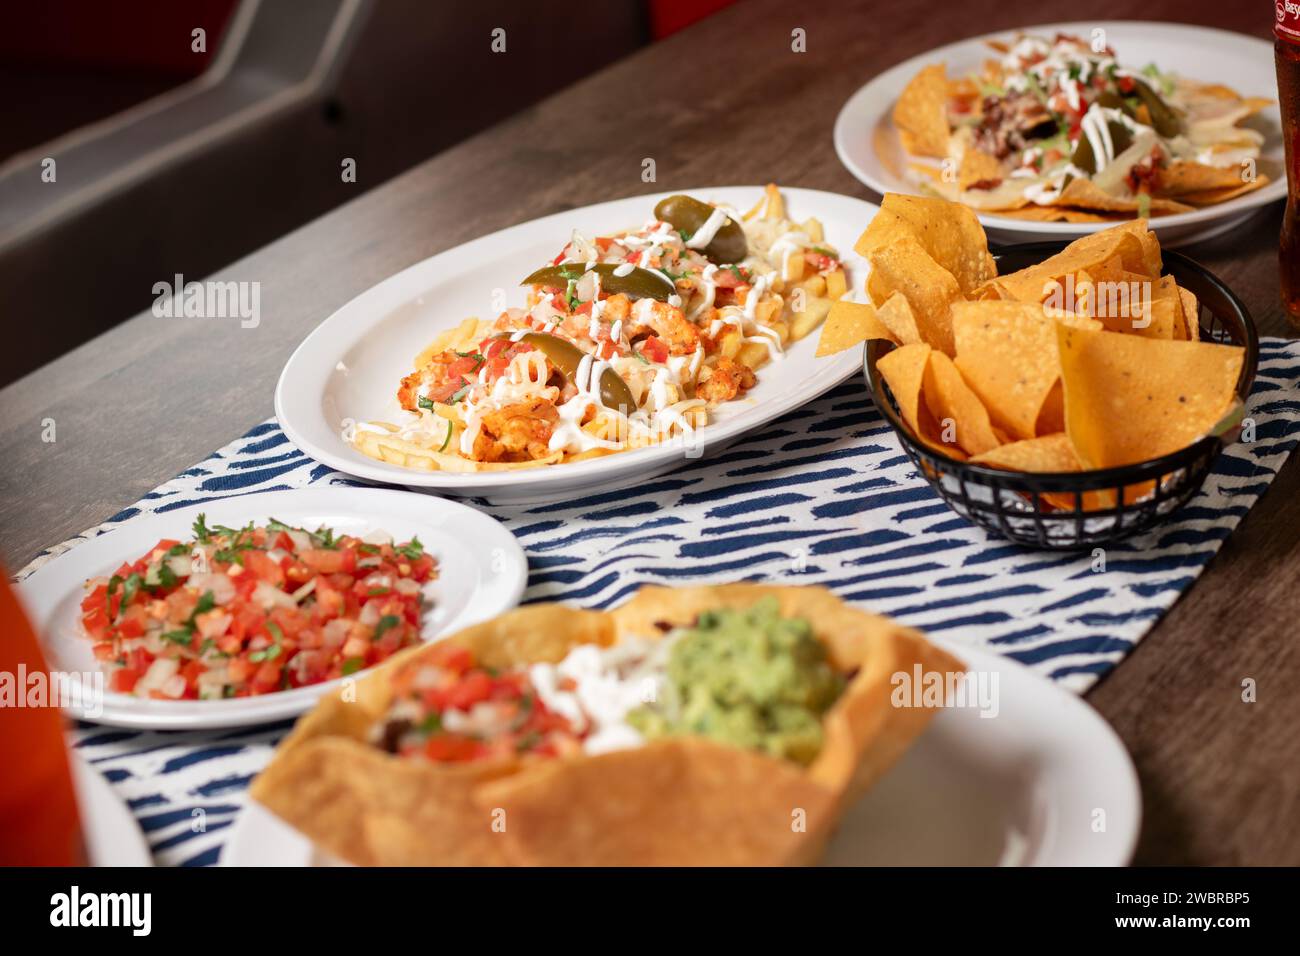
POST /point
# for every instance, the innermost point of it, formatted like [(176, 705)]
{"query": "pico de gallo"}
[(235, 612), (447, 709)]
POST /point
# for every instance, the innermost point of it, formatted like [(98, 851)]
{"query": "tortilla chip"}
[(1129, 398), (1086, 194), (644, 806), (904, 373), (957, 410), (1181, 177), (1053, 214), (1006, 353), (1131, 243), (1166, 318), (904, 266), (1051, 419), (950, 233), (898, 318), (921, 113), (849, 324), (978, 169), (1191, 315), (931, 172), (1210, 197), (1048, 454)]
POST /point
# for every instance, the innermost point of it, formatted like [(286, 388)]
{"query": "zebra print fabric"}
[(824, 495)]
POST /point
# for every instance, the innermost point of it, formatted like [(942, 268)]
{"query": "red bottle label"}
[(1287, 26)]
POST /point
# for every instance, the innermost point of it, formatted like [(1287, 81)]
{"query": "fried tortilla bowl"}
[(674, 801)]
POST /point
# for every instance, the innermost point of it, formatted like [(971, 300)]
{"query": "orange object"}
[(1287, 56), (38, 807)]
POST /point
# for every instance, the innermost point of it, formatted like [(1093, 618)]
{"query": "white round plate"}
[(350, 366), (482, 572), (1045, 782), (111, 835), (868, 144)]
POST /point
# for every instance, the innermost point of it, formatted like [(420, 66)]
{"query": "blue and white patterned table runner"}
[(824, 495)]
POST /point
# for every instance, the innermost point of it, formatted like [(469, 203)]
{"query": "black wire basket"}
[(1047, 510)]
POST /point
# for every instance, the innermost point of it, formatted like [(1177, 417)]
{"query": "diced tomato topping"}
[(655, 349), (451, 748), (232, 621), (264, 567)]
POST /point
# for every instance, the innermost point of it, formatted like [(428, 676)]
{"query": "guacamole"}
[(750, 678)]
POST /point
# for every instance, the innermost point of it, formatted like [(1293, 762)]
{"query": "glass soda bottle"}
[(1286, 49)]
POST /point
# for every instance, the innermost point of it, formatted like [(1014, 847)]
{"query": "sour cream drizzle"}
[(717, 219)]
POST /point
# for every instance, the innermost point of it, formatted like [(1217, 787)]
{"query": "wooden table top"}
[(153, 396)]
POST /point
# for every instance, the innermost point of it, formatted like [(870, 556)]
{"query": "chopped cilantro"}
[(352, 665), (385, 623), (166, 576), (114, 583), (413, 550), (200, 529), (432, 724), (460, 393), (424, 402), (207, 601), (181, 637), (231, 555), (130, 587)]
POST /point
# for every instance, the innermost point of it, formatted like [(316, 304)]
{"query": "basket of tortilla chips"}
[(720, 725), (1060, 396)]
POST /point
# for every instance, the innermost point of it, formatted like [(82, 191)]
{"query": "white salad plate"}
[(110, 833), (868, 144), (481, 573), (348, 369), (1043, 781)]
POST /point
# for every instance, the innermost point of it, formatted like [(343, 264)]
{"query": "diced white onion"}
[(269, 596)]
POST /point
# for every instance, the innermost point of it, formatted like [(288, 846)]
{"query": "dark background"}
[(236, 154)]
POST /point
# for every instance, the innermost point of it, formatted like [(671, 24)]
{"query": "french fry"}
[(814, 310), (753, 354), (729, 342), (775, 203), (815, 284), (802, 323), (766, 312), (836, 284), (448, 339)]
